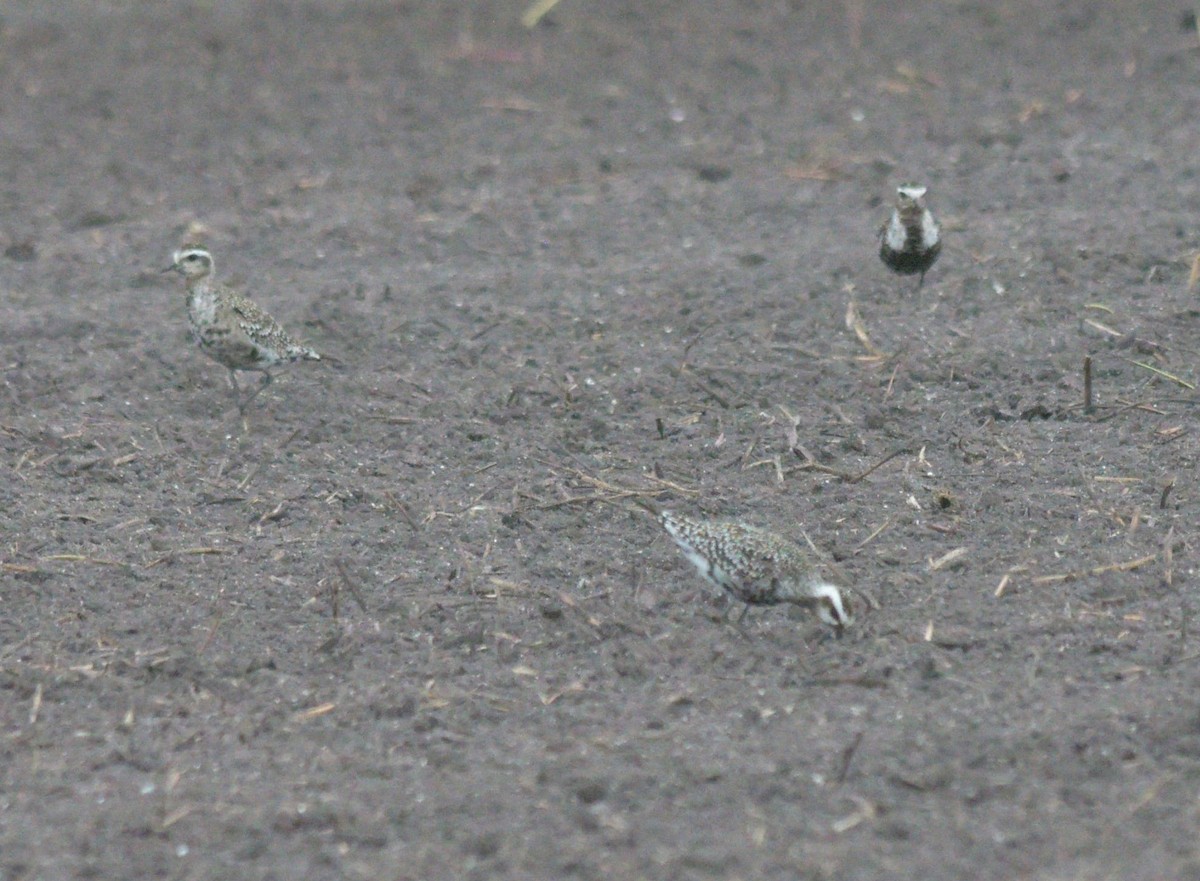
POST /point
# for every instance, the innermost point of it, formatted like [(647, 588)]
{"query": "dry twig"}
[(350, 584), (1095, 570), (1190, 386), (854, 322), (812, 465), (1168, 557), (848, 757), (1087, 383)]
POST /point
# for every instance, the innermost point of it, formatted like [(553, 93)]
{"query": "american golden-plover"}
[(232, 330), (909, 243), (757, 567)]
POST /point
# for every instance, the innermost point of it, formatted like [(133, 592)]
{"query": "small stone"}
[(713, 174), (22, 252)]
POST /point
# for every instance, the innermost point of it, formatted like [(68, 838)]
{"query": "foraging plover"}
[(911, 240), (232, 330), (757, 567)]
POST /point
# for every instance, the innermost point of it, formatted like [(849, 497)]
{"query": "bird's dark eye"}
[(192, 257)]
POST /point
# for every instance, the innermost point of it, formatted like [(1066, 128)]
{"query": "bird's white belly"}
[(930, 234), (712, 573), (896, 234), (203, 309)]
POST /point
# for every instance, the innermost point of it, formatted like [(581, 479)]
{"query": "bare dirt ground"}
[(406, 623)]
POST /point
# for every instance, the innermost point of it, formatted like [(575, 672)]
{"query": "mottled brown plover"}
[(231, 329), (909, 243), (756, 567)]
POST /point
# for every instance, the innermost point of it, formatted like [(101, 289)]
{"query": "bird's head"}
[(832, 608), (191, 261)]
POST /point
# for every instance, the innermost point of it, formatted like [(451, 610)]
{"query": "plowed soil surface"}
[(405, 621)]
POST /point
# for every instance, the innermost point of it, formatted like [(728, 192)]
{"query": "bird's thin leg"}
[(237, 389), (266, 381), (736, 626)]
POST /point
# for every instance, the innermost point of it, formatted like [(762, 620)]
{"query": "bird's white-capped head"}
[(191, 261), (831, 607), (910, 195)]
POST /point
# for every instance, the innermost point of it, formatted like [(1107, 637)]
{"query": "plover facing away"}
[(231, 329), (911, 240), (757, 567)]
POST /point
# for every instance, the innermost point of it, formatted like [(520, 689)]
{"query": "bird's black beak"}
[(172, 268)]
